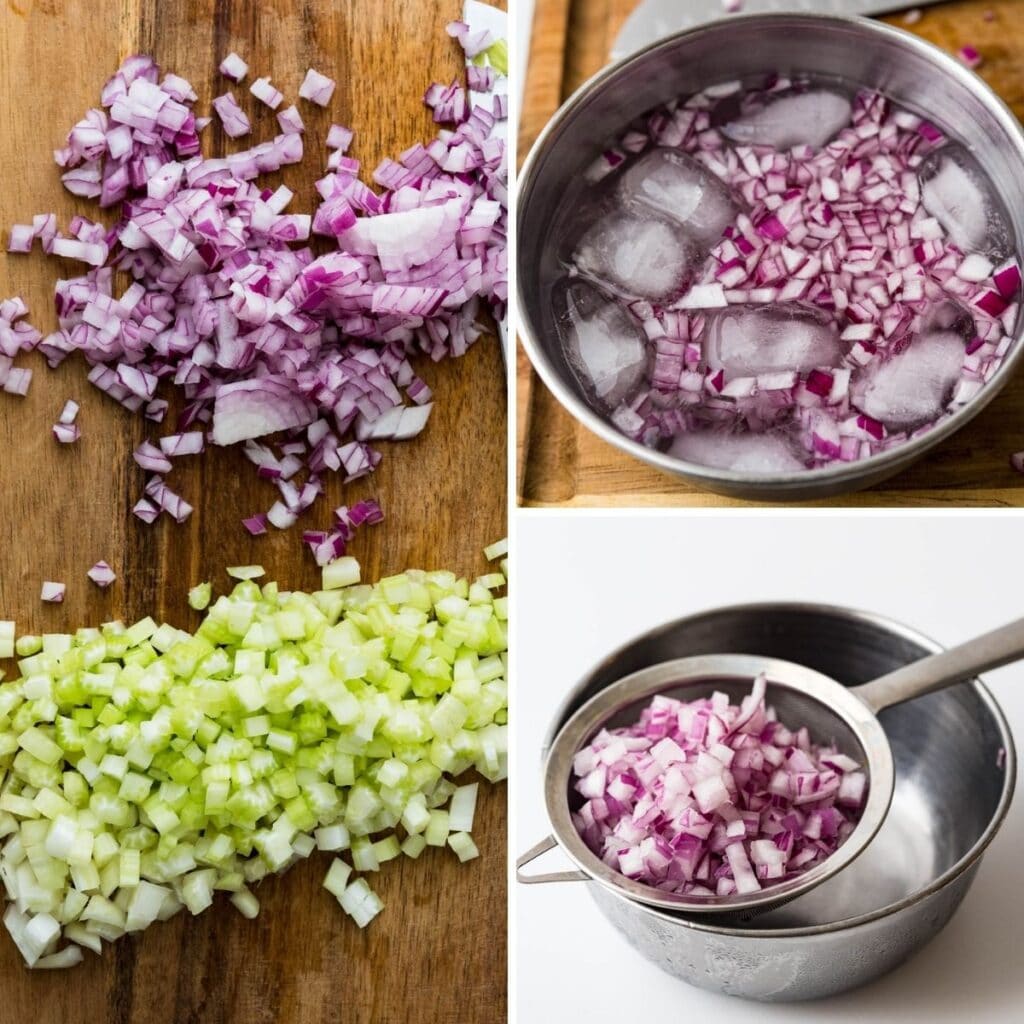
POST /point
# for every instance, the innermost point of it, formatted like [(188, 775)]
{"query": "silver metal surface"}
[(955, 774), (651, 20), (914, 73)]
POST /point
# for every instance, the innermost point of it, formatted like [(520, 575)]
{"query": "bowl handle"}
[(555, 876)]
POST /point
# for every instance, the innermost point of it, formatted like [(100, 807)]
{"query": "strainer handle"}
[(1000, 647), (555, 876)]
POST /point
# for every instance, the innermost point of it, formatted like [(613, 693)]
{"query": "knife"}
[(654, 19)]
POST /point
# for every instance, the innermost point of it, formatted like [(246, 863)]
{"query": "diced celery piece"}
[(463, 845)]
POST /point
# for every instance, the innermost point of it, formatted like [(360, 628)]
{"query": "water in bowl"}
[(778, 275)]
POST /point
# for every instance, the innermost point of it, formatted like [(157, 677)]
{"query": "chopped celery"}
[(6, 638), (147, 767), (463, 845), (245, 572), (199, 596)]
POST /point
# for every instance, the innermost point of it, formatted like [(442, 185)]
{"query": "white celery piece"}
[(6, 638), (342, 572), (463, 845), (462, 808)]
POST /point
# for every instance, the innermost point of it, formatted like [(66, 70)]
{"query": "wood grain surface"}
[(562, 464), (438, 952)]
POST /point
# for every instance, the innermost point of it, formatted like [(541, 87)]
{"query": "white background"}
[(586, 583)]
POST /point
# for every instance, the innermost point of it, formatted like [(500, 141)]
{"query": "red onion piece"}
[(102, 575), (339, 138), (266, 93), (233, 118), (52, 593), (66, 433), (317, 88), (190, 443), (970, 56), (290, 120), (233, 67)]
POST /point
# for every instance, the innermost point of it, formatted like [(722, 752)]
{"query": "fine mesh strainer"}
[(832, 713)]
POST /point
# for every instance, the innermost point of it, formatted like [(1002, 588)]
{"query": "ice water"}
[(771, 276)]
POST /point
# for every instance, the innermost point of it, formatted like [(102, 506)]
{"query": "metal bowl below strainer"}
[(955, 773)]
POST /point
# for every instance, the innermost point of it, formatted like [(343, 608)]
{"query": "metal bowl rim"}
[(968, 860), (853, 473)]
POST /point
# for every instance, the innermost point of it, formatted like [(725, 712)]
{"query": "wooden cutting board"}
[(438, 952), (562, 464)]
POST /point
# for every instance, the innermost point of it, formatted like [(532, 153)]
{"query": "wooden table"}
[(438, 952), (562, 464)]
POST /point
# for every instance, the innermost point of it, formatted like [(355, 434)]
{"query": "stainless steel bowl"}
[(955, 773), (904, 67)]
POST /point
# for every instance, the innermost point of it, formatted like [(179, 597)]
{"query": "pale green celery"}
[(199, 596), (436, 833), (337, 878), (463, 845), (245, 903), (246, 572), (413, 846), (360, 903), (343, 572), (364, 857), (26, 645)]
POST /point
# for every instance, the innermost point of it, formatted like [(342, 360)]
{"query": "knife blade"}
[(653, 19)]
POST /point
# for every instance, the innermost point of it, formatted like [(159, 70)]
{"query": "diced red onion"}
[(52, 593), (339, 138), (256, 525), (145, 510), (66, 433), (190, 443), (841, 228), (290, 120), (260, 336), (970, 56), (709, 798), (266, 93), (151, 458), (233, 118), (233, 67), (101, 574), (69, 413), (317, 88)]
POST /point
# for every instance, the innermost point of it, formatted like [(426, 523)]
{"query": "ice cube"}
[(678, 186), (637, 254), (748, 340), (953, 192), (913, 387), (605, 347), (810, 118), (746, 453)]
